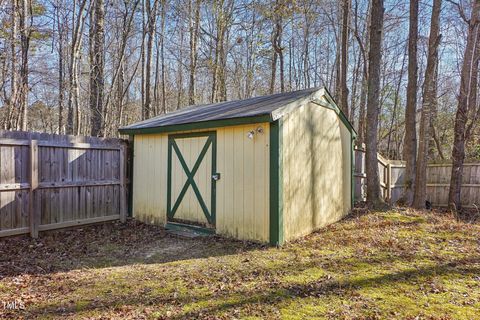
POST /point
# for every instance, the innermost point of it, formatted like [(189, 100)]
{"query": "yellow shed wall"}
[(242, 199), (316, 170)]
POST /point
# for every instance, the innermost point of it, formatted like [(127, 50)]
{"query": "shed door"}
[(191, 178)]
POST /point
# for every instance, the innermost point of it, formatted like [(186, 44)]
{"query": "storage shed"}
[(267, 169)]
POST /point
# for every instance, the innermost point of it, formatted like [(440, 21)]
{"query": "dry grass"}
[(396, 264)]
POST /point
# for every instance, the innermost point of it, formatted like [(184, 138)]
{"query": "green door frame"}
[(173, 147)]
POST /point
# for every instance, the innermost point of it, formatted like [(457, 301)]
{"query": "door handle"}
[(216, 176)]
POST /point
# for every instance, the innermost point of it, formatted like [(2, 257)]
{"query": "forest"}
[(405, 73)]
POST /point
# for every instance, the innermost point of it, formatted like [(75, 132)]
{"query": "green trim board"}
[(352, 175), (199, 125), (174, 149), (276, 184), (131, 156)]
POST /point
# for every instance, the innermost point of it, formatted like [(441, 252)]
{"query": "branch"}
[(460, 11)]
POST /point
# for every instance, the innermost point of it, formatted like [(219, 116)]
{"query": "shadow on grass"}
[(319, 289), (107, 245), (277, 291)]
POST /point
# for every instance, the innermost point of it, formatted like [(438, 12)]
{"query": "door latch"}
[(216, 176)]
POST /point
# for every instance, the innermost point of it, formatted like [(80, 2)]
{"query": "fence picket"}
[(53, 181), (438, 181)]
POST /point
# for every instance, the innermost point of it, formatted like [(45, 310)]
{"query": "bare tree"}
[(61, 32), (428, 105), (194, 27), (12, 111), (149, 30), (410, 143), (344, 58), (26, 22), (277, 46), (223, 10), (374, 60), (162, 54), (74, 93), (364, 81), (97, 46), (467, 104)]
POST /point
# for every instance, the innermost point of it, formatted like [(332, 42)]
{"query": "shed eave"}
[(285, 110), (197, 125), (333, 105)]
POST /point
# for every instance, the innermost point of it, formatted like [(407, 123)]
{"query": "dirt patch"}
[(104, 245)]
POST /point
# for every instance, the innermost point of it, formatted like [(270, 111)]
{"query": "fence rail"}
[(55, 181), (438, 181)]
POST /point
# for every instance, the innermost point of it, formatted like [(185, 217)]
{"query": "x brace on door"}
[(172, 145)]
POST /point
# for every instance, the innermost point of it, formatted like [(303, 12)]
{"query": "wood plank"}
[(220, 185), (33, 212), (450, 165), (6, 177), (53, 194), (260, 197), (51, 144), (25, 193), (465, 185), (238, 187), (13, 142), (229, 183), (14, 186), (249, 183), (72, 184), (89, 203), (123, 189), (78, 222), (14, 232)]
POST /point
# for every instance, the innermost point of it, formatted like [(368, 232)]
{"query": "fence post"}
[(389, 181), (123, 190), (33, 214)]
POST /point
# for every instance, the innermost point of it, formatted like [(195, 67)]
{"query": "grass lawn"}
[(396, 264)]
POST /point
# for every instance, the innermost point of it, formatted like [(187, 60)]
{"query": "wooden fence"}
[(438, 181), (53, 181)]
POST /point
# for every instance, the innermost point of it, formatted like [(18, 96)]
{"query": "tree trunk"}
[(61, 72), (25, 32), (410, 142), (364, 81), (142, 59), (344, 59), (180, 74), (73, 97), (470, 63), (429, 102), (194, 30), (97, 68), (395, 107), (150, 29), (219, 64), (274, 72), (277, 47), (162, 55), (12, 112), (374, 59)]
